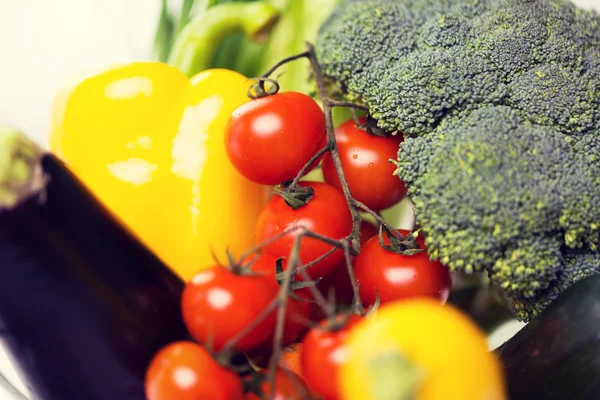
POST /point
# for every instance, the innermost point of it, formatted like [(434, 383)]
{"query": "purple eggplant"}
[(557, 355), (83, 304)]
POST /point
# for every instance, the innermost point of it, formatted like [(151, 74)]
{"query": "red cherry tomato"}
[(288, 386), (338, 281), (298, 311), (365, 161), (218, 304), (327, 214), (323, 352), (186, 371), (291, 359), (270, 139), (297, 314), (262, 263), (397, 276), (367, 231)]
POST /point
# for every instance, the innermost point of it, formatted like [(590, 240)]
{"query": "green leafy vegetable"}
[(499, 102)]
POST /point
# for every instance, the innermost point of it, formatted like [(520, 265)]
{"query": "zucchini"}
[(557, 355), (83, 305)]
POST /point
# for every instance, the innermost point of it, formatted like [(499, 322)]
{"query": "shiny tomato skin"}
[(270, 139), (323, 353), (297, 314), (186, 371), (366, 163), (367, 231), (298, 311), (291, 359), (217, 304), (396, 276), (288, 386), (326, 213), (263, 264)]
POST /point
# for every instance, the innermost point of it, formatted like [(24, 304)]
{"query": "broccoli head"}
[(415, 62), (509, 197), (499, 103)]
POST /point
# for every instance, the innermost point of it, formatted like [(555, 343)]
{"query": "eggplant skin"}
[(557, 355), (83, 305)]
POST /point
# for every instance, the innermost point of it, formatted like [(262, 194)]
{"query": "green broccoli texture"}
[(499, 104)]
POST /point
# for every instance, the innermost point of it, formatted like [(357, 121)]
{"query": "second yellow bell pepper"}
[(148, 141)]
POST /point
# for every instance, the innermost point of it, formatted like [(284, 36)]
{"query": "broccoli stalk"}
[(499, 102)]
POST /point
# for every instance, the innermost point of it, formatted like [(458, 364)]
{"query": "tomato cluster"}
[(233, 309)]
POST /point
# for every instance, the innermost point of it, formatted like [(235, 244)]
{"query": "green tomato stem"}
[(393, 377), (20, 172), (194, 48)]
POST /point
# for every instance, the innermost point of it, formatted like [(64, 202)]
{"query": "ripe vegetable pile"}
[(486, 114), (184, 163), (499, 104), (313, 244)]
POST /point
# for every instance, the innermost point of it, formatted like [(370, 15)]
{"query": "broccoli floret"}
[(415, 62), (551, 95), (495, 193), (499, 103), (576, 266)]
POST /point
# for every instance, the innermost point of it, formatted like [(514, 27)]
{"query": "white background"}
[(44, 42)]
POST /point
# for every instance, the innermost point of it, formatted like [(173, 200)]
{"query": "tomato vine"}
[(295, 274), (350, 244)]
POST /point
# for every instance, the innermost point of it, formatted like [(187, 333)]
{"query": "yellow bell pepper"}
[(148, 141)]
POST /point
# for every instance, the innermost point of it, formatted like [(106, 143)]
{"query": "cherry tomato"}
[(365, 161), (397, 276), (367, 231), (338, 281), (218, 304), (326, 214), (298, 311), (186, 371), (270, 139), (323, 353), (288, 386), (263, 264), (291, 358), (297, 316)]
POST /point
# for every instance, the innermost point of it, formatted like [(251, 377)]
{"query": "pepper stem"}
[(20, 172), (194, 47), (393, 377)]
